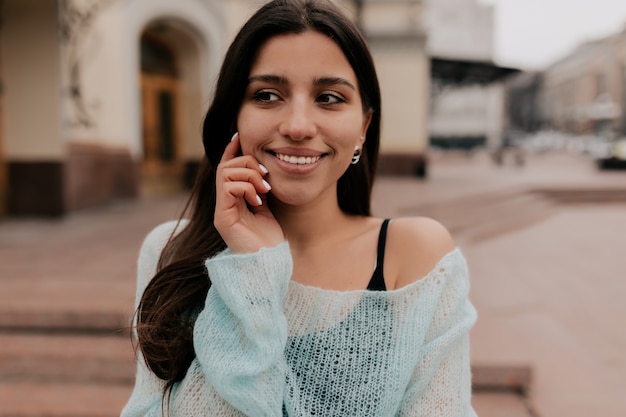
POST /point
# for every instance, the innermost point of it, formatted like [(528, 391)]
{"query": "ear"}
[(367, 119)]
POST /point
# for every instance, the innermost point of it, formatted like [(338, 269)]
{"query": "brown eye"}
[(328, 98), (265, 97)]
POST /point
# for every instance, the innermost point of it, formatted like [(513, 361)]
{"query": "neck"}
[(307, 227)]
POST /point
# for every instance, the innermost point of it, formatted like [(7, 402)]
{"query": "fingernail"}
[(262, 168), (267, 185), (258, 200), (234, 136)]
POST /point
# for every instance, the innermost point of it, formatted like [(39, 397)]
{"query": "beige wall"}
[(203, 24), (86, 152), (3, 172), (102, 77), (404, 74), (236, 13), (76, 147), (393, 17), (111, 68), (31, 76), (395, 34)]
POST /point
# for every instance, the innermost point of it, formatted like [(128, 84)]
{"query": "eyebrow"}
[(321, 81), (275, 79)]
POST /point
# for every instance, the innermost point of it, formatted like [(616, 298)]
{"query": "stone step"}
[(507, 217), (110, 360), (88, 400), (501, 404), (78, 322), (92, 375), (72, 359), (65, 375), (45, 399), (501, 378), (486, 215), (571, 195)]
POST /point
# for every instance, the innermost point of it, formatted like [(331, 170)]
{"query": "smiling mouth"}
[(298, 160)]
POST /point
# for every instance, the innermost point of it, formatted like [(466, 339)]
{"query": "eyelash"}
[(338, 99), (258, 97)]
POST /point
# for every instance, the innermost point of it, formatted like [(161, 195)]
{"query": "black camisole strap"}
[(377, 283)]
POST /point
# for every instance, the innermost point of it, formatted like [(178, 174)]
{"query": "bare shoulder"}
[(415, 246)]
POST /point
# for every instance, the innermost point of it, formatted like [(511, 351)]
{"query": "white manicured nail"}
[(267, 185), (258, 199), (263, 169), (234, 136)]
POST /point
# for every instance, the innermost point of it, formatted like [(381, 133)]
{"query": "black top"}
[(377, 283)]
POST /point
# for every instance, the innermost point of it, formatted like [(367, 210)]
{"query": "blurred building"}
[(467, 106), (397, 38), (584, 93), (104, 99), (523, 93)]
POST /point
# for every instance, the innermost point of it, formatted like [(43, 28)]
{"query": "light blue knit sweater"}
[(266, 345)]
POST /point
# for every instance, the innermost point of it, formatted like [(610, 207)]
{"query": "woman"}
[(311, 306)]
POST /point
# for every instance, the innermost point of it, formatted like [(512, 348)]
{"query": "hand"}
[(242, 216)]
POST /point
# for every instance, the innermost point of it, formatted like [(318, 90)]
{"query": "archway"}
[(160, 122), (169, 79), (3, 174)]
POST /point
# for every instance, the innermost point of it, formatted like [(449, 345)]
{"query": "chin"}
[(291, 199), (296, 197)]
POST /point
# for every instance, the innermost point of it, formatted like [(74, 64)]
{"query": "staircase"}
[(72, 356), (60, 370), (481, 216)]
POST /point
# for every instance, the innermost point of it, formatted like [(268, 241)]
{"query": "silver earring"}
[(357, 155)]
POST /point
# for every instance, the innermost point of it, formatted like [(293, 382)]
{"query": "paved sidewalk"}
[(549, 290), (549, 295), (552, 296)]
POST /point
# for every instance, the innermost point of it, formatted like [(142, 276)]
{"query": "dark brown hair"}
[(172, 299)]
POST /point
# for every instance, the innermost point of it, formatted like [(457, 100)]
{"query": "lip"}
[(300, 169), (293, 151)]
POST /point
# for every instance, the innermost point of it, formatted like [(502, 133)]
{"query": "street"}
[(544, 242)]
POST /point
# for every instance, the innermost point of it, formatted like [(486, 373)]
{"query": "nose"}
[(298, 123)]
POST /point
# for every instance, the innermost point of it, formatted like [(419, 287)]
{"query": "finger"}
[(232, 153), (245, 175), (241, 190), (247, 161), (232, 149)]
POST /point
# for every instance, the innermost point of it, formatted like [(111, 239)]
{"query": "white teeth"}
[(298, 160)]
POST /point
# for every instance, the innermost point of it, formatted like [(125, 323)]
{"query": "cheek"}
[(254, 135), (242, 119), (350, 129), (248, 142), (246, 127)]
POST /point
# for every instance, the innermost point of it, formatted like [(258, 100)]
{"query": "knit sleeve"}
[(190, 397), (148, 389), (239, 338), (241, 334), (441, 383)]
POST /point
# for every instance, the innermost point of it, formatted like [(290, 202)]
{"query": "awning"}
[(464, 72)]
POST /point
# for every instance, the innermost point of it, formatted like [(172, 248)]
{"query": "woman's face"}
[(302, 116)]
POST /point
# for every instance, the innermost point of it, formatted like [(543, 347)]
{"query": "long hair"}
[(172, 299)]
